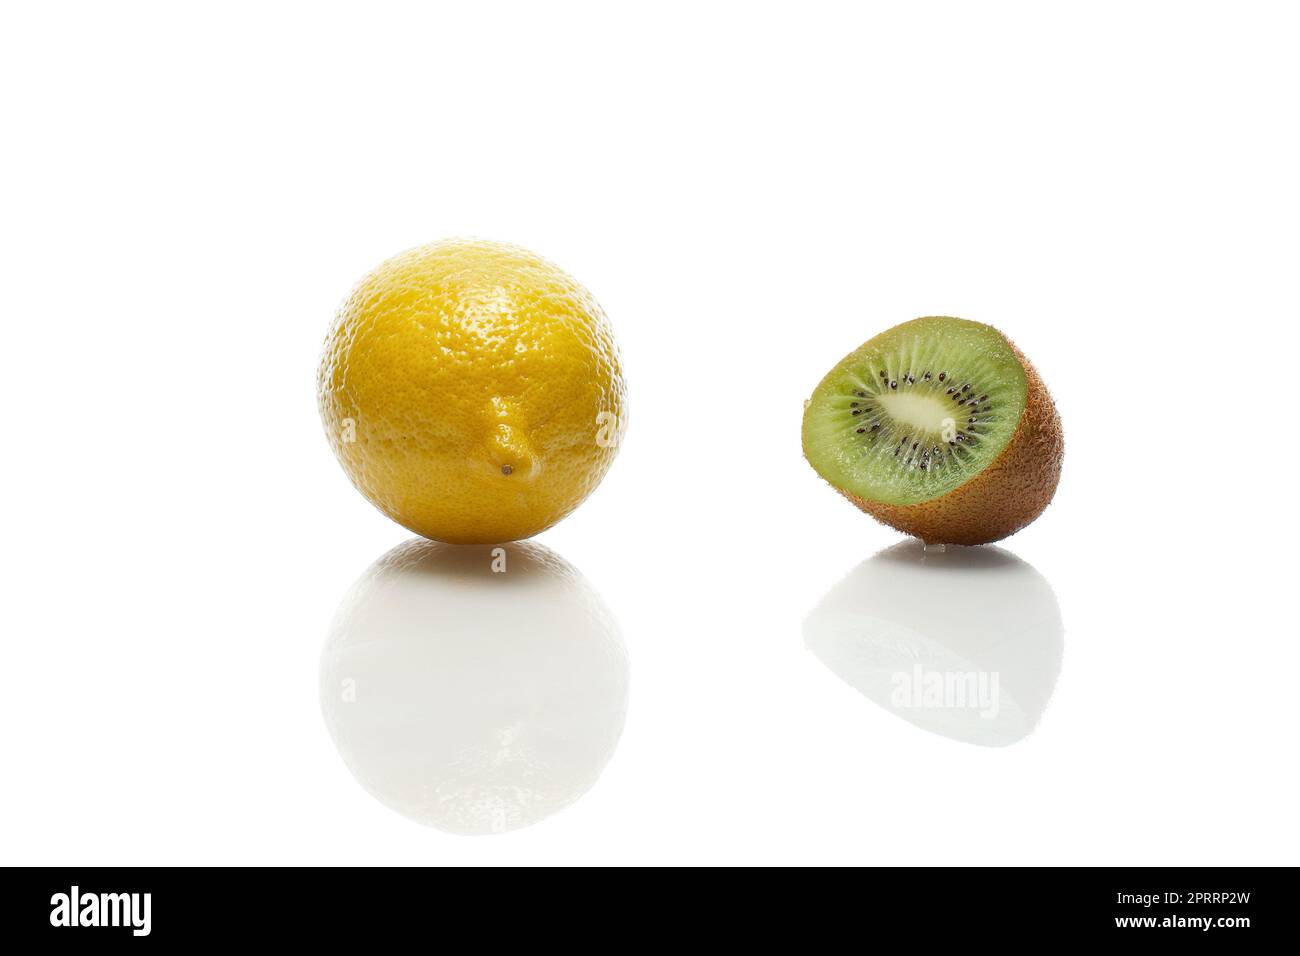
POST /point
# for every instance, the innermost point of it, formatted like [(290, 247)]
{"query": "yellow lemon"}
[(472, 391)]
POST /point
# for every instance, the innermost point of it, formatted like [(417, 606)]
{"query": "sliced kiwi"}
[(939, 427)]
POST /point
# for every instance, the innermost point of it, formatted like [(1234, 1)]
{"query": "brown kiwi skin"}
[(1007, 495)]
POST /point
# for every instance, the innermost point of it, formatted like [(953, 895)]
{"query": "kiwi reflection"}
[(474, 689), (965, 643)]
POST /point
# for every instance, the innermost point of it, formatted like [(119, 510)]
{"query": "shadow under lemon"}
[(964, 642), (476, 689)]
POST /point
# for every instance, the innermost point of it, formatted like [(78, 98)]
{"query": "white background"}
[(751, 190)]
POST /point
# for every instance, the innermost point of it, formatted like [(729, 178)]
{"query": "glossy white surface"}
[(751, 191)]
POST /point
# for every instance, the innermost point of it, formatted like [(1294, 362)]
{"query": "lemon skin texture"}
[(472, 391)]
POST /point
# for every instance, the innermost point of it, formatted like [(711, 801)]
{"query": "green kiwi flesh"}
[(917, 411)]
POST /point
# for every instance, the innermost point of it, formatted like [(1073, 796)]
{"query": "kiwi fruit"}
[(938, 427)]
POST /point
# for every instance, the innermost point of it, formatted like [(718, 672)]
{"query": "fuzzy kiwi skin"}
[(1011, 492)]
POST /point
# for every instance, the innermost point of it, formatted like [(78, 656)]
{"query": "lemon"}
[(472, 391)]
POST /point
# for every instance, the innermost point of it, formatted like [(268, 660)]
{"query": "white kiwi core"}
[(924, 413)]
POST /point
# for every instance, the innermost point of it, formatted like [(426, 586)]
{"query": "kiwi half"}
[(940, 428)]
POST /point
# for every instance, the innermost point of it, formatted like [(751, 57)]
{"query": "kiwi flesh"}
[(939, 427)]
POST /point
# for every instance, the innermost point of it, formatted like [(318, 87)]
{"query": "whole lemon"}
[(472, 391)]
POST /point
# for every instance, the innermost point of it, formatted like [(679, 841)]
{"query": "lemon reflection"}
[(474, 689)]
